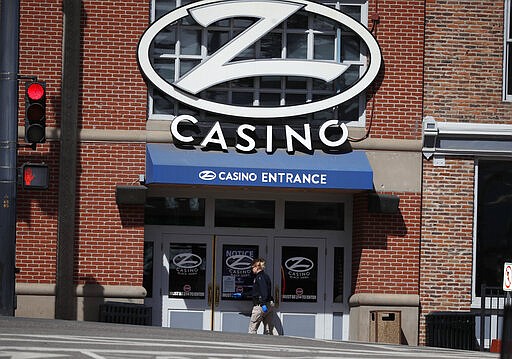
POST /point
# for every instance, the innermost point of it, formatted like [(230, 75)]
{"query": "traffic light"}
[(35, 112), (34, 176)]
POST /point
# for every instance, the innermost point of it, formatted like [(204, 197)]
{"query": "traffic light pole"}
[(9, 37)]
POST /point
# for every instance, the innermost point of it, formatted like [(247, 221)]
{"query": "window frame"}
[(507, 51), (476, 299)]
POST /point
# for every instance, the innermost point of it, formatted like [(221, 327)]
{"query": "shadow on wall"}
[(131, 215), (376, 225), (93, 296), (383, 220)]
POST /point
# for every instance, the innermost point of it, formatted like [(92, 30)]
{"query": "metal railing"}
[(454, 330), (125, 313), (493, 300), (479, 329)]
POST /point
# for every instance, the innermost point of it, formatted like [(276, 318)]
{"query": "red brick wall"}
[(447, 237), (40, 54), (40, 50), (398, 101), (385, 252), (114, 93), (109, 239), (463, 83), (385, 246), (464, 61), (36, 227)]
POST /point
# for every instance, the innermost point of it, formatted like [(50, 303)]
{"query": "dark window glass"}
[(352, 11), (147, 276), (338, 275), (494, 222), (244, 213), (163, 7), (174, 211), (217, 39), (298, 21), (299, 279), (510, 22), (314, 215), (324, 47)]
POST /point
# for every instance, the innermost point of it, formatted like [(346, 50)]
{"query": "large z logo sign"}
[(218, 69)]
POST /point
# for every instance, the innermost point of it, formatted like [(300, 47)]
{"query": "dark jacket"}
[(262, 289)]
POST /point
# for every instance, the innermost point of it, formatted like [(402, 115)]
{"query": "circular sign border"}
[(364, 81)]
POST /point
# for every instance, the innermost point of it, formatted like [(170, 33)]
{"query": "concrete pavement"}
[(27, 338)]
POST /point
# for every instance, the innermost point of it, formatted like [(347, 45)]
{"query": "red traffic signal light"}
[(35, 91), (35, 112), (34, 176)]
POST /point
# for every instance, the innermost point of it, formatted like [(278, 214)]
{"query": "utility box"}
[(385, 326)]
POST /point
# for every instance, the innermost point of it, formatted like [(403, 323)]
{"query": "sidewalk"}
[(46, 338)]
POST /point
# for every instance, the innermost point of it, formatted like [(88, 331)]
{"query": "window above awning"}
[(166, 164)]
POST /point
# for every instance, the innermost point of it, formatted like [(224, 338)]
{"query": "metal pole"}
[(9, 36), (65, 297)]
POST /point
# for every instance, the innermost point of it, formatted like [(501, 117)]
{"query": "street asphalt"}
[(28, 338)]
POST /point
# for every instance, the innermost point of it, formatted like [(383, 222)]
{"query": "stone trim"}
[(395, 300), (84, 290)]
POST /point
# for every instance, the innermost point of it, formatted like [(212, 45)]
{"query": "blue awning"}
[(166, 164)]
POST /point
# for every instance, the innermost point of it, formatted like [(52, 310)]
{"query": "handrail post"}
[(482, 316)]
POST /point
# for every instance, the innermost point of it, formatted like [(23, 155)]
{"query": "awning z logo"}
[(218, 69), (207, 175)]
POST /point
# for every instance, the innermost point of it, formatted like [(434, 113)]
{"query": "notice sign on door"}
[(507, 277), (237, 274)]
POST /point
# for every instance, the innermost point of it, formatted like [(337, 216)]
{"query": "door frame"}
[(184, 304), (301, 309), (241, 309), (342, 238)]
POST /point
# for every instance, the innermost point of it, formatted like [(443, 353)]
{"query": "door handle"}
[(209, 295), (276, 297), (217, 296)]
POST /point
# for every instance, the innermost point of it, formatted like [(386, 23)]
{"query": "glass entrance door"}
[(208, 280), (233, 280), (300, 285), (187, 289)]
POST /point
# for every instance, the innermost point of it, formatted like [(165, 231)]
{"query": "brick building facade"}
[(442, 59), (464, 79)]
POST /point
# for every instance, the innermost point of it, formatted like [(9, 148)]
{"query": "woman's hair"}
[(258, 262)]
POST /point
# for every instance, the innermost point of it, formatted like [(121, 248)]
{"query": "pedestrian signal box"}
[(34, 176)]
